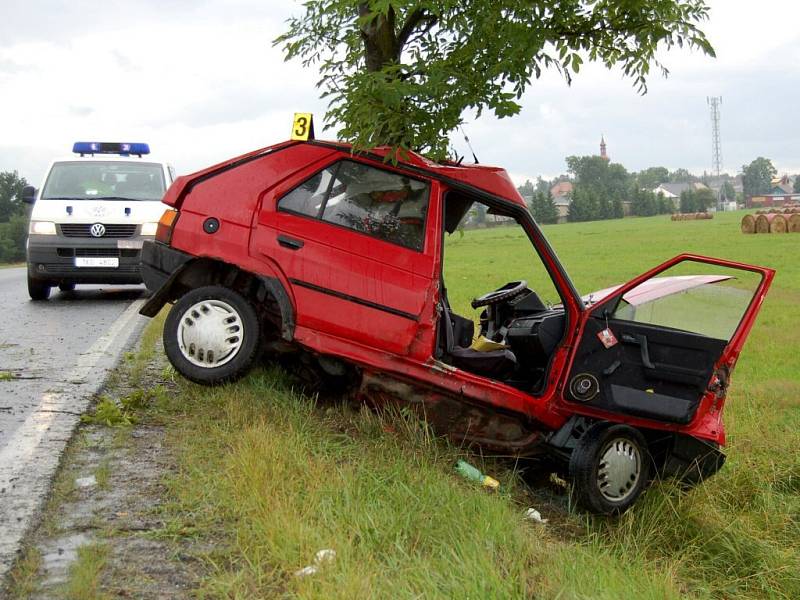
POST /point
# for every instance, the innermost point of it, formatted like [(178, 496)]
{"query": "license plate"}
[(96, 261), (129, 244)]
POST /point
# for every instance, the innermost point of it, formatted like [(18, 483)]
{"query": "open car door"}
[(656, 346)]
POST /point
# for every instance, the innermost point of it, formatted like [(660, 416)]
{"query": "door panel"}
[(652, 347), (651, 372)]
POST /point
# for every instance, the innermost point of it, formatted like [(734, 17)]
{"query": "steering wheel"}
[(508, 291)]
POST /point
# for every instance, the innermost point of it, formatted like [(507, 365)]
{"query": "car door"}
[(655, 346), (352, 242)]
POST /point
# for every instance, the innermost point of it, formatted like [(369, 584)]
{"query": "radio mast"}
[(714, 103)]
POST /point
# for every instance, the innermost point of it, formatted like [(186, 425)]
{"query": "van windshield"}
[(99, 180)]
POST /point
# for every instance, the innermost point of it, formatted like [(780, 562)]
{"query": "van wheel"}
[(38, 290), (609, 468), (66, 287), (211, 335)]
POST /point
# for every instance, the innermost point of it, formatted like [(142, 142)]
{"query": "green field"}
[(270, 476)]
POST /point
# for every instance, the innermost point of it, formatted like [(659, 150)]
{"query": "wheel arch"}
[(268, 294)]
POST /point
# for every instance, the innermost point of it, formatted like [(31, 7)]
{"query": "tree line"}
[(599, 188), (13, 218)]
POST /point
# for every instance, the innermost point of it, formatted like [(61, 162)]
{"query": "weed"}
[(102, 474), (109, 413), (83, 581), (6, 376), (22, 578)]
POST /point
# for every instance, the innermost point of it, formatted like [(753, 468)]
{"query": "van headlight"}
[(149, 228), (42, 228)]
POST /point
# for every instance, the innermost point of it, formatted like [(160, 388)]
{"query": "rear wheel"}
[(212, 335), (38, 290), (609, 468), (66, 287)]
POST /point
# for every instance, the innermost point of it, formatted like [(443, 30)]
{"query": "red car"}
[(307, 249)]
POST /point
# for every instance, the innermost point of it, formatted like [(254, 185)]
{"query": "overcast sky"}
[(201, 82)]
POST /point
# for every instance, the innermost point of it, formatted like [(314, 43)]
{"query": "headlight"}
[(149, 228), (42, 228)]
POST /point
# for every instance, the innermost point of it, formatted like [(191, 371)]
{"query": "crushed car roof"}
[(491, 180)]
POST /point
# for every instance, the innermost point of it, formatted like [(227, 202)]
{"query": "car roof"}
[(147, 158), (484, 178)]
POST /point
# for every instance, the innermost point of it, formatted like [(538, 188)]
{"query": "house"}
[(561, 193), (673, 190)]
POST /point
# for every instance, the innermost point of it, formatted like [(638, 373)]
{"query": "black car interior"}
[(524, 331)]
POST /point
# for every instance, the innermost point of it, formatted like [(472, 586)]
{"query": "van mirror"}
[(29, 194)]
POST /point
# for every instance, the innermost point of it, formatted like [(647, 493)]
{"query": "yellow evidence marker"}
[(303, 127)]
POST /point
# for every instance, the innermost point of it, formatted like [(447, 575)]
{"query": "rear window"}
[(98, 180)]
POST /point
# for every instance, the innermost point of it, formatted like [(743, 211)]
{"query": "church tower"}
[(603, 153)]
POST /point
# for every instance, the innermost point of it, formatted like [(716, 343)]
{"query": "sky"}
[(200, 81)]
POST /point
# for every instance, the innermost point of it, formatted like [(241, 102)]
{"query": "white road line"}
[(30, 458)]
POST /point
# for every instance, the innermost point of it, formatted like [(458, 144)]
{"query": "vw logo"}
[(98, 230)]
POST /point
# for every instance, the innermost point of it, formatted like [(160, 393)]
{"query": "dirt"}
[(108, 492)]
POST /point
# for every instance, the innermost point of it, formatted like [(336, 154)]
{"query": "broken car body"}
[(307, 247)]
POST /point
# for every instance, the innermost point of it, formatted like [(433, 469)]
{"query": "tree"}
[(651, 178), (402, 72), (608, 184), (727, 190), (11, 185), (543, 208), (796, 188), (526, 189), (757, 176), (682, 176)]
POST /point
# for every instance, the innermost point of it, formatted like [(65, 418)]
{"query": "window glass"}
[(308, 197), (692, 296), (97, 180), (386, 205)]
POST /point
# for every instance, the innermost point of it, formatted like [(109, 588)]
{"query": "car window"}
[(386, 205), (383, 204), (308, 197)]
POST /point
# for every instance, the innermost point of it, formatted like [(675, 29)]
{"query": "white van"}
[(92, 214)]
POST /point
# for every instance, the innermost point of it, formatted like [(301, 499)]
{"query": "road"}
[(54, 356)]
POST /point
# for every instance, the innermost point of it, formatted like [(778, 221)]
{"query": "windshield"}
[(96, 180)]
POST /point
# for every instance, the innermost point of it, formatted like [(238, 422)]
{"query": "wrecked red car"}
[(308, 249)]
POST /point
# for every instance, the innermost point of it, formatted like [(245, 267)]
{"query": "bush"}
[(12, 239)]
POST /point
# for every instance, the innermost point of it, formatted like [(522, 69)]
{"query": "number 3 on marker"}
[(303, 126)]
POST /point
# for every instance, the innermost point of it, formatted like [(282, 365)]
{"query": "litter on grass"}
[(324, 556), (534, 515), (467, 471)]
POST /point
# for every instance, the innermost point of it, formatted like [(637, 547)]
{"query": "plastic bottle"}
[(466, 470)]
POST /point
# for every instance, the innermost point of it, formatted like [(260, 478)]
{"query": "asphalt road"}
[(54, 355)]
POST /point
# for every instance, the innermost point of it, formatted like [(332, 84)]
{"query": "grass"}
[(83, 581), (270, 476)]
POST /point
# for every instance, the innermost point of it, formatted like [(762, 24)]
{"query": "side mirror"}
[(29, 194)]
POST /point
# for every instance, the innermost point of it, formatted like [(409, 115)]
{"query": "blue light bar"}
[(110, 148)]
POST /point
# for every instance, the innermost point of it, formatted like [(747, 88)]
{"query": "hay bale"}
[(748, 224), (762, 223), (794, 223), (778, 224)]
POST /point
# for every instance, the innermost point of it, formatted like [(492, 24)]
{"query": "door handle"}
[(290, 243), (641, 341)]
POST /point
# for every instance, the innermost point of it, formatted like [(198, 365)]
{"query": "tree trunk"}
[(380, 41)]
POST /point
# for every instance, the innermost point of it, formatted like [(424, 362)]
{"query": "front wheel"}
[(212, 335), (38, 290), (609, 468)]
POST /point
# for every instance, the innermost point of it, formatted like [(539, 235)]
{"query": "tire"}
[(229, 335), (603, 490), (66, 287), (38, 290)]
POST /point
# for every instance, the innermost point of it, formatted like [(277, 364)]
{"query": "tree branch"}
[(415, 18)]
